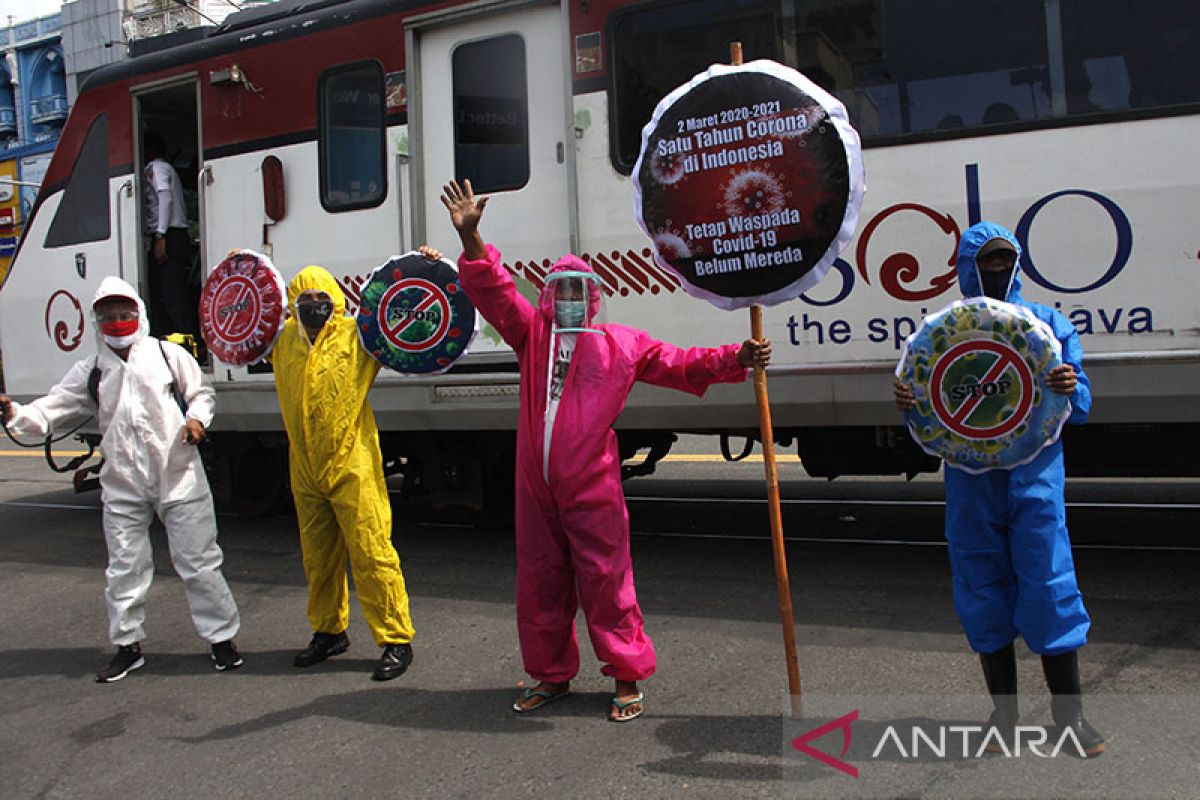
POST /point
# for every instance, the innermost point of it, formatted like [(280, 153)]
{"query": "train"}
[(322, 131)]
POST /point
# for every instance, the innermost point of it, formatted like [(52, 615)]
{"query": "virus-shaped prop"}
[(978, 370), (242, 308), (414, 317)]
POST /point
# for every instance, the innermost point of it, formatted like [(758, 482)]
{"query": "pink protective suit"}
[(572, 527)]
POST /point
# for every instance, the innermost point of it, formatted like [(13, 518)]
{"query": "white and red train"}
[(322, 132)]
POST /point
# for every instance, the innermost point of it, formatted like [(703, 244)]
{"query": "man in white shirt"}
[(170, 246)]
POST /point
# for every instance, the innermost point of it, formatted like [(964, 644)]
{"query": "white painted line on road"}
[(814, 501), (1144, 548), (52, 505), (834, 540), (765, 538), (709, 458), (1140, 506), (850, 502)]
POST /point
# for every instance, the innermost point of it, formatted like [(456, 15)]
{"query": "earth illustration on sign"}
[(414, 317), (978, 370), (242, 308), (749, 183)]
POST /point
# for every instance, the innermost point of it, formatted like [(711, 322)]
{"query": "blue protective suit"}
[(1006, 529)]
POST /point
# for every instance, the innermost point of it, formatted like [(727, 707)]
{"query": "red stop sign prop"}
[(242, 308)]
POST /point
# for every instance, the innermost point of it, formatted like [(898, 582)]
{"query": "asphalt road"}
[(874, 614)]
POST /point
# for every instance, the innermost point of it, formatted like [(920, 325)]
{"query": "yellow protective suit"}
[(337, 471)]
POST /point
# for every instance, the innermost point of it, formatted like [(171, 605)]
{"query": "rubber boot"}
[(1000, 672), (1066, 704)]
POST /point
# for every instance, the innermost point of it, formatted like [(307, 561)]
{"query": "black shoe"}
[(1066, 704), (393, 662), (322, 646), (1000, 672), (225, 656), (127, 659)]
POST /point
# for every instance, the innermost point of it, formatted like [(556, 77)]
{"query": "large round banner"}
[(978, 369), (242, 308), (414, 317), (748, 183)]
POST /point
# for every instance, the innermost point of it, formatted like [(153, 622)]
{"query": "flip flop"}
[(547, 698), (623, 704)]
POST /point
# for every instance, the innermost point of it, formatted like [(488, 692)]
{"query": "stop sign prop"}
[(978, 370), (748, 183), (242, 308), (414, 317)]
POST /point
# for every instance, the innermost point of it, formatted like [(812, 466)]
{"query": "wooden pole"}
[(782, 584), (767, 432)]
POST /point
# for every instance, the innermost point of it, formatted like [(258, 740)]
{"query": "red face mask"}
[(120, 327)]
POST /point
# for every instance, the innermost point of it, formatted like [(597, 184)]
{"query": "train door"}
[(490, 103), (169, 201)]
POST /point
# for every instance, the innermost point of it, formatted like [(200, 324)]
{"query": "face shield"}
[(577, 301)]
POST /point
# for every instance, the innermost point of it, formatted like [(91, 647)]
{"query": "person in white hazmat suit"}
[(138, 388)]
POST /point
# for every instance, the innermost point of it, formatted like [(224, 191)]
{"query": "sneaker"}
[(127, 659), (393, 662), (225, 656), (322, 646)]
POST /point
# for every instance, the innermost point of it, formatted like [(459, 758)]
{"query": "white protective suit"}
[(148, 470)]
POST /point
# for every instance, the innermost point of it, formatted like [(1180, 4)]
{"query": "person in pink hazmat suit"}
[(572, 527)]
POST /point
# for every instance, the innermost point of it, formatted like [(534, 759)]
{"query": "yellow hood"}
[(318, 278)]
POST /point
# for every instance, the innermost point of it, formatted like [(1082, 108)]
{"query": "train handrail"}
[(127, 188)]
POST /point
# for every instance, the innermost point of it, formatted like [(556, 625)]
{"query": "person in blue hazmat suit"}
[(1006, 529)]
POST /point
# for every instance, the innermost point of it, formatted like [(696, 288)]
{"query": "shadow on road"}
[(84, 662), (753, 748), (455, 710), (735, 748), (69, 662)]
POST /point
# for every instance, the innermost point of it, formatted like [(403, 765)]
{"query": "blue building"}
[(33, 109)]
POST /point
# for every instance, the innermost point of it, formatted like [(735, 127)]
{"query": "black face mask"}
[(314, 315), (995, 284)]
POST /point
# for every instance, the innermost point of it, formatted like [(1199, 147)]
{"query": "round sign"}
[(748, 183), (242, 308), (414, 317), (414, 314), (978, 369)]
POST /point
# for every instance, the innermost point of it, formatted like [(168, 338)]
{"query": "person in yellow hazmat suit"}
[(322, 376)]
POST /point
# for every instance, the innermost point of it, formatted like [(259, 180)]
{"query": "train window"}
[(909, 69), (1121, 54), (83, 213), (350, 137), (913, 66), (491, 113), (905, 67), (655, 49)]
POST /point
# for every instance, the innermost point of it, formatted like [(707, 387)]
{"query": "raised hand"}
[(465, 209), (431, 253)]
